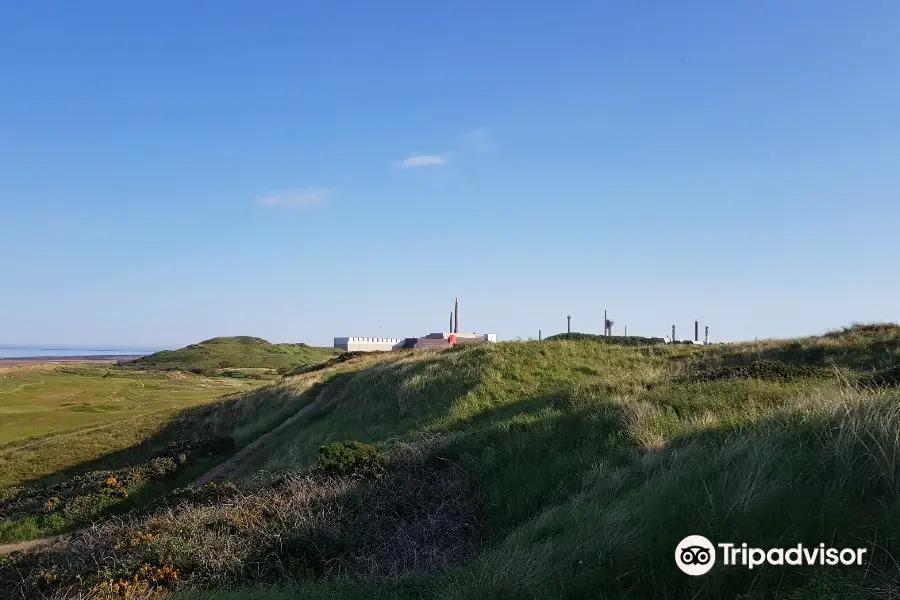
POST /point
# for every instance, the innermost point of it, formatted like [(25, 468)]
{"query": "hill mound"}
[(536, 470), (240, 352)]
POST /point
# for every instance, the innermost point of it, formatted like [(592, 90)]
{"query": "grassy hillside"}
[(554, 469), (236, 356)]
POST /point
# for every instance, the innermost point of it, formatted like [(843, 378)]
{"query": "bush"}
[(766, 370), (349, 458), (616, 340), (418, 518), (889, 377), (213, 492), (86, 496)]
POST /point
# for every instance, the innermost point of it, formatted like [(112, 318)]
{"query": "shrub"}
[(889, 377), (87, 496), (160, 467), (616, 340), (349, 458), (767, 370), (419, 517), (212, 492)]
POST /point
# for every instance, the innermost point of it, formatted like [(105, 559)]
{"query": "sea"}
[(34, 352)]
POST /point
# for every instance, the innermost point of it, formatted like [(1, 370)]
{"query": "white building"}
[(367, 344), (375, 344)]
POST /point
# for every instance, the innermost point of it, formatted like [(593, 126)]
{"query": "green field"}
[(77, 425), (553, 469), (49, 399), (237, 356)]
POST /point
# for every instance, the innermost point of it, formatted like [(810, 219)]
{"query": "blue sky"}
[(171, 171)]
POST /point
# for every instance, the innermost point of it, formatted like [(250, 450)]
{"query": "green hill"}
[(553, 469), (241, 352)]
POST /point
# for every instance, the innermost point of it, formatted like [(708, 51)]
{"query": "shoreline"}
[(97, 358)]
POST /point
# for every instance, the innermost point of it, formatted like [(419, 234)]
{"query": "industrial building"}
[(432, 340), (367, 344)]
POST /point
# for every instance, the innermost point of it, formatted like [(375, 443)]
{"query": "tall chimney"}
[(696, 331), (456, 316), (569, 323), (451, 321), (706, 336), (673, 334)]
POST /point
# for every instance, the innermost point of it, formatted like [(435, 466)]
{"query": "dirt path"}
[(29, 544), (235, 463), (219, 472)]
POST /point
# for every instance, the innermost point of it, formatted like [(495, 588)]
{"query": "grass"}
[(553, 469), (152, 442), (242, 356), (57, 417)]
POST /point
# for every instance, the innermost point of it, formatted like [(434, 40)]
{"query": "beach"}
[(98, 358)]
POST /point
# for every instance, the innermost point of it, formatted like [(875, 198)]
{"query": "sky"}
[(172, 171)]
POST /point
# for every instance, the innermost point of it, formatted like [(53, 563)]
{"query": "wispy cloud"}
[(424, 160), (478, 140), (297, 199)]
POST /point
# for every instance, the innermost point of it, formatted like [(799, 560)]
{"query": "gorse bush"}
[(349, 458), (87, 496)]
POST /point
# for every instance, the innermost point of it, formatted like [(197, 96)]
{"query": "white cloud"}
[(424, 160), (303, 198), (478, 140)]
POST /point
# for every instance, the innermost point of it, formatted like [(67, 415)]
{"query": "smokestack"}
[(673, 334), (706, 336), (451, 321), (696, 331), (456, 316), (539, 335), (569, 323)]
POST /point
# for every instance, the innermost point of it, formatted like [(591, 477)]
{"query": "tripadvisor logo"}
[(696, 555)]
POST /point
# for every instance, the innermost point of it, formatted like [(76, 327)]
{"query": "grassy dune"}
[(237, 356), (554, 469)]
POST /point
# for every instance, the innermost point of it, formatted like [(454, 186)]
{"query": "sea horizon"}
[(33, 351)]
